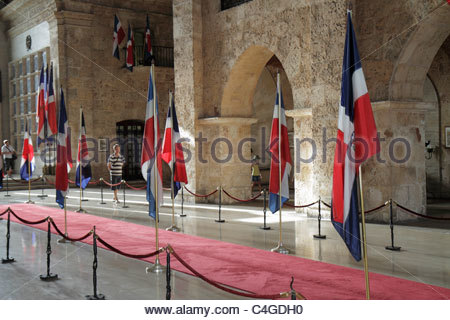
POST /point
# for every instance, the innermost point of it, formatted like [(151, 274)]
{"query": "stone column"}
[(398, 172), (305, 151), (187, 34), (224, 157)]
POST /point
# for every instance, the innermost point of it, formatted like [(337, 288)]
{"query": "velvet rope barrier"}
[(90, 182), (135, 188), (241, 200), (111, 185), (49, 181), (326, 204), (135, 256), (301, 206), (418, 214), (26, 221), (87, 235), (201, 195), (377, 208), (26, 181), (222, 287), (5, 212)]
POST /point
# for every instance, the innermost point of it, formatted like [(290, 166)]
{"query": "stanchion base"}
[(102, 203), (393, 248), (9, 260), (281, 249), (173, 228), (265, 228), (81, 210), (30, 202), (319, 236), (156, 268), (95, 297), (84, 200), (124, 207), (183, 215), (7, 195), (42, 196), (220, 221), (49, 277)]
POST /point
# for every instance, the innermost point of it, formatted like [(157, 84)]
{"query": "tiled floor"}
[(425, 256)]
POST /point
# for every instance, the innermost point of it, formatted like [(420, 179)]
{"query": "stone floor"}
[(425, 255)]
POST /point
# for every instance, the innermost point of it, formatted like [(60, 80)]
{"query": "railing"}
[(227, 4), (163, 56)]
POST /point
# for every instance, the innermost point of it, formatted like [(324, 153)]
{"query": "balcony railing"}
[(227, 4), (163, 56)]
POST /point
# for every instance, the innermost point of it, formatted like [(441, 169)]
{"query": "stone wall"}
[(81, 51)]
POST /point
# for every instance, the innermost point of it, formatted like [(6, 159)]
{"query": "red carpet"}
[(246, 268)]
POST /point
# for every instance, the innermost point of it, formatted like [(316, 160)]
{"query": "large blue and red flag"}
[(83, 161), (280, 155), (64, 155), (41, 120), (356, 141), (172, 151), (50, 108), (118, 36), (27, 164), (148, 51), (151, 162), (130, 44)]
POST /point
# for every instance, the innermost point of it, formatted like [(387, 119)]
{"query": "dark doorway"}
[(129, 133)]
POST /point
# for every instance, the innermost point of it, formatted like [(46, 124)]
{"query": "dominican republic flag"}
[(279, 121), (118, 36), (42, 121), (148, 51), (83, 158), (27, 164), (50, 109), (64, 155), (130, 44), (171, 146), (151, 162), (356, 141)]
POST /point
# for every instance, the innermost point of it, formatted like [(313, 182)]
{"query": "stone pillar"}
[(398, 172), (225, 157), (187, 34), (305, 151)]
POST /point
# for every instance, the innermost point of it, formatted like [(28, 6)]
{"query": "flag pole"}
[(81, 210), (363, 224), (63, 240), (173, 227), (157, 267), (280, 248)]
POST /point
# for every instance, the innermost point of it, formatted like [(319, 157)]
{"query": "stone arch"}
[(241, 85), (412, 66)]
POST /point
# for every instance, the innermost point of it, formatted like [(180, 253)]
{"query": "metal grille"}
[(163, 56), (227, 4)]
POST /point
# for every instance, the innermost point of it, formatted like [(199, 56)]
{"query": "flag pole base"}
[(182, 215), (30, 202), (393, 248), (64, 240), (124, 207), (102, 202), (280, 249), (81, 210), (156, 268), (8, 260), (220, 221), (319, 236), (84, 200), (173, 228), (265, 228), (7, 195), (49, 277), (96, 297), (42, 196)]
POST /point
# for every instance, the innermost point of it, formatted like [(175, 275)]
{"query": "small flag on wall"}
[(118, 36), (130, 45)]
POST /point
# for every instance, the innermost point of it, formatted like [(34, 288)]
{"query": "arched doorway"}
[(129, 134)]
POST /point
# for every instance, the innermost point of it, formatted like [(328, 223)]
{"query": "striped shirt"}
[(116, 164)]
